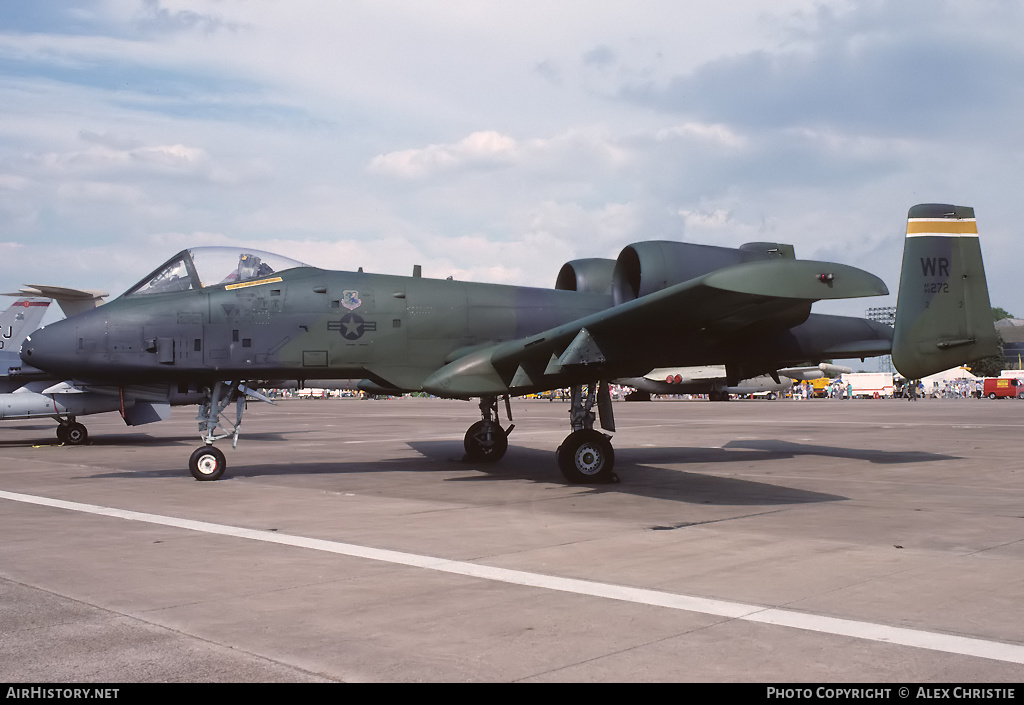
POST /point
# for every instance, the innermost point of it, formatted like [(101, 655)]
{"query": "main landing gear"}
[(72, 433), (585, 456)]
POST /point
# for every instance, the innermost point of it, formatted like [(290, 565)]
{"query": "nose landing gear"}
[(207, 462), (486, 441)]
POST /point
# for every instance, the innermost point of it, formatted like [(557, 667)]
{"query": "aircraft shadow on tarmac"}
[(639, 469), (787, 449), (46, 438), (641, 476), (122, 441)]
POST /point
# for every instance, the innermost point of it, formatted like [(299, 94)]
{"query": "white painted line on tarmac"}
[(934, 641)]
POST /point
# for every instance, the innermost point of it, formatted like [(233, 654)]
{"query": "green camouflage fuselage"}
[(308, 323)]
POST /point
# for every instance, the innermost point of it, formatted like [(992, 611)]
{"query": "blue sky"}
[(493, 141)]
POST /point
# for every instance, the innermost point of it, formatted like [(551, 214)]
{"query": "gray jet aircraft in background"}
[(213, 322), (714, 381), (22, 397), (27, 394)]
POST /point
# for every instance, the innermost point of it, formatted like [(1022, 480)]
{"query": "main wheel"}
[(586, 456), (485, 442), (207, 463), (73, 433)]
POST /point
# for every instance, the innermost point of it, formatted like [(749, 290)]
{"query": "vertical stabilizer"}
[(19, 320), (943, 314)]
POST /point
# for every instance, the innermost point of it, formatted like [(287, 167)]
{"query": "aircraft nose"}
[(50, 348)]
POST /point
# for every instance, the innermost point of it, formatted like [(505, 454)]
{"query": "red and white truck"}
[(868, 385)]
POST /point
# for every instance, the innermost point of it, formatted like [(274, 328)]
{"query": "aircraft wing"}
[(766, 295)]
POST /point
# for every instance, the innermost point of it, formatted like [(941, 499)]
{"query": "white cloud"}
[(717, 134), (478, 150), (13, 182), (716, 219)]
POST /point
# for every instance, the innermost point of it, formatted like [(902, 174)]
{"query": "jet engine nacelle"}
[(592, 276), (645, 267)]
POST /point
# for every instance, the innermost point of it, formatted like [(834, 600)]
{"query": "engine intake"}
[(592, 276)]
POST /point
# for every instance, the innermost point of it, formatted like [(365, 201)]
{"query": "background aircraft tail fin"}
[(943, 314), (19, 320)]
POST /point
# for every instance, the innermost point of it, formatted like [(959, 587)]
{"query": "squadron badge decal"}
[(350, 299)]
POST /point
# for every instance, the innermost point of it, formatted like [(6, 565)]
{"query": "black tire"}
[(485, 442), (991, 395), (207, 463), (72, 434), (586, 456)]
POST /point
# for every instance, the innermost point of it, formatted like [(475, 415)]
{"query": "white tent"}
[(937, 382), (948, 375)]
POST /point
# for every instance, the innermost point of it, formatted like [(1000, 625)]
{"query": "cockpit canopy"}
[(201, 267)]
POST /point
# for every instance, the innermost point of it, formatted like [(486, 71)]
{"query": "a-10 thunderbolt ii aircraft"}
[(215, 322)]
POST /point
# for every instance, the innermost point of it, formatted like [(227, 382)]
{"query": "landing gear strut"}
[(587, 455), (208, 463), (486, 441)]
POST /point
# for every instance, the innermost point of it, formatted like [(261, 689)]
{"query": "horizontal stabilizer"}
[(797, 279)]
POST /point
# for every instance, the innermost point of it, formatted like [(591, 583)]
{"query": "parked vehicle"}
[(999, 387), (869, 385)]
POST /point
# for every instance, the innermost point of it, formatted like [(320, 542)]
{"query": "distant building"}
[(1012, 332)]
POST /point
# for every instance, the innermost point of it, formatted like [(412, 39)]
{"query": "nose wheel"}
[(485, 442), (207, 463)]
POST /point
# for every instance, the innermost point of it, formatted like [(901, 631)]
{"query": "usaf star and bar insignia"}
[(352, 326)]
